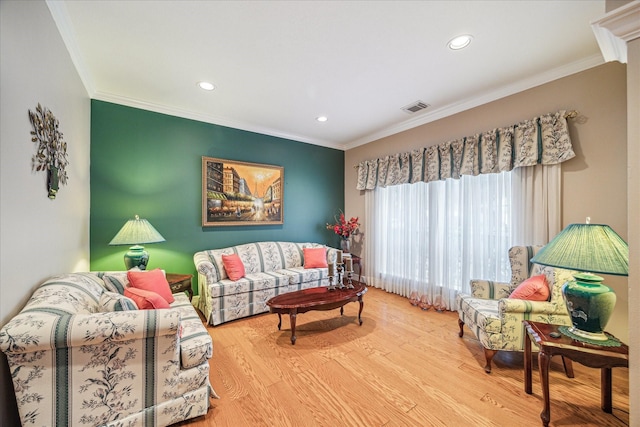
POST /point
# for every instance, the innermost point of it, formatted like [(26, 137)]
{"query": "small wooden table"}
[(180, 283), (319, 298), (593, 356), (357, 261)]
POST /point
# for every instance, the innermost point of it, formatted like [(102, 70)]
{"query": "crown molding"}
[(502, 92), (61, 17), (615, 29)]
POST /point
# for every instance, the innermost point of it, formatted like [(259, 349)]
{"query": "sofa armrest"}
[(508, 305), (332, 254), (204, 265), (487, 289), (41, 331)]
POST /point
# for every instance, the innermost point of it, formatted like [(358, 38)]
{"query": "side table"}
[(357, 261), (180, 283), (593, 356)]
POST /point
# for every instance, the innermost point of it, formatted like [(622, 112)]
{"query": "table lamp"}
[(588, 249), (136, 232)]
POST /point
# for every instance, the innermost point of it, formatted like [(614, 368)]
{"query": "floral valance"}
[(541, 140)]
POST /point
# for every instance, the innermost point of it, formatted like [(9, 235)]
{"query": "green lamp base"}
[(590, 304), (136, 257)]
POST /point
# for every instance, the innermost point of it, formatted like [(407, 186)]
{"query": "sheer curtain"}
[(432, 238)]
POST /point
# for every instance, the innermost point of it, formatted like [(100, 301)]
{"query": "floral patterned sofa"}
[(272, 268), (496, 320), (77, 362)]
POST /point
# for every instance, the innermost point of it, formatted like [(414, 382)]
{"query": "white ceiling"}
[(277, 65)]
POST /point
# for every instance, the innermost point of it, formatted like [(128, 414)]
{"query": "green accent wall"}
[(150, 164)]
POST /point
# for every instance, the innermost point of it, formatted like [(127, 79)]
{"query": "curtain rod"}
[(568, 115)]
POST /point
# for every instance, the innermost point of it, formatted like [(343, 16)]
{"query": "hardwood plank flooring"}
[(402, 367)]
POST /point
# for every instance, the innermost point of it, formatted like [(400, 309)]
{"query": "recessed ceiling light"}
[(322, 118), (206, 85), (460, 42)]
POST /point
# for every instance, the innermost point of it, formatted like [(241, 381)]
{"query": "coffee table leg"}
[(279, 321), (543, 365), (292, 317), (360, 311)]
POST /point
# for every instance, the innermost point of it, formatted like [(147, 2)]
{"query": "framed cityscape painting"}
[(240, 193)]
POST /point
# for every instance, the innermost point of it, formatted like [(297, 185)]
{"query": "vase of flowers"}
[(345, 245), (344, 229)]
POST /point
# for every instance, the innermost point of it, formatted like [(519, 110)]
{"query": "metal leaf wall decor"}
[(51, 154)]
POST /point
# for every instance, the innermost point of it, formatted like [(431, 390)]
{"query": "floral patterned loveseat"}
[(271, 268), (75, 361)]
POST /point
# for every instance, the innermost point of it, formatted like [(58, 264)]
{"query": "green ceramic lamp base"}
[(590, 304), (136, 257)]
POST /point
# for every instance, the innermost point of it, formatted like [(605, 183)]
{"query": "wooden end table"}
[(593, 356), (319, 298), (180, 283), (357, 261)]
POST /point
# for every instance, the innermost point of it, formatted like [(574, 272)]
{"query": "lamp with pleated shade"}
[(136, 232), (588, 249)]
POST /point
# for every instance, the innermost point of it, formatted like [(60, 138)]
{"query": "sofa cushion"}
[(300, 275), (315, 257), (233, 266), (534, 288), (153, 280), (116, 282), (113, 301), (77, 293), (482, 313), (146, 300), (250, 283)]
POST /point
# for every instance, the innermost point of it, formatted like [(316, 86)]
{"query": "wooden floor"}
[(402, 367)]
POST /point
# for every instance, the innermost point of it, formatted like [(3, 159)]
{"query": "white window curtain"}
[(433, 238)]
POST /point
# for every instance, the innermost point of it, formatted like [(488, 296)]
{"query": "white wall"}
[(39, 237)]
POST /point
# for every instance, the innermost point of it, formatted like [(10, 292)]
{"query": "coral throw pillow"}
[(146, 300), (315, 257), (534, 288), (152, 280), (233, 266)]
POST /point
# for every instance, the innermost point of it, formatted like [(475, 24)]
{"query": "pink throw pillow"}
[(315, 257), (152, 280), (233, 266), (146, 300), (534, 288)]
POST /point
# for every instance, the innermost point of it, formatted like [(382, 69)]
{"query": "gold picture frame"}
[(241, 193)]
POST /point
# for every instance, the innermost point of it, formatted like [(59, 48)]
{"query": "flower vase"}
[(345, 245)]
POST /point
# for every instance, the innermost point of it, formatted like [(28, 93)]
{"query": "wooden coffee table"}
[(320, 298)]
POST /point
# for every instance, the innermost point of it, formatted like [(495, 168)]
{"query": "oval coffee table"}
[(320, 298)]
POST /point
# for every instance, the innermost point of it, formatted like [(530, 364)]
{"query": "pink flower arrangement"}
[(344, 228)]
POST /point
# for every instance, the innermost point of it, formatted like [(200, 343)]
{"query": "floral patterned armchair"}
[(496, 320), (80, 355)]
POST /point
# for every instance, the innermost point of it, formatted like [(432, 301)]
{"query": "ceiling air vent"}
[(414, 107)]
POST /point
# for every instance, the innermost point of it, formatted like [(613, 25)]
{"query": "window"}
[(434, 237)]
